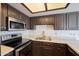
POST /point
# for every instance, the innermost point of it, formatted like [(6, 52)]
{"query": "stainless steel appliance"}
[(15, 24), (22, 46), (24, 50)]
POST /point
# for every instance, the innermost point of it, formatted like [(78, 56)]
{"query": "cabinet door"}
[(54, 49), (59, 51), (36, 51), (0, 16), (46, 51), (17, 14), (72, 21), (60, 22), (78, 19), (36, 48), (3, 16), (13, 12)]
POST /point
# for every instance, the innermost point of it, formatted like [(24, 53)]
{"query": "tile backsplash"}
[(73, 34), (70, 34)]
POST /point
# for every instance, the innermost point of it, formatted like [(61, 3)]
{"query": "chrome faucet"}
[(43, 33)]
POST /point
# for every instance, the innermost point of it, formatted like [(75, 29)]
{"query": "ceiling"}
[(44, 7), (72, 7)]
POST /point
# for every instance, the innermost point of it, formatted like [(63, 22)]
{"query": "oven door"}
[(24, 50)]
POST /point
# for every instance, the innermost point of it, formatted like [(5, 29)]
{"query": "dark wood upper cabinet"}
[(60, 22), (3, 16), (13, 12), (67, 21), (6, 11), (0, 16), (20, 16), (72, 21), (42, 20), (78, 20)]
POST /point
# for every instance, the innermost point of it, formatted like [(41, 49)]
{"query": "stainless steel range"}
[(22, 46)]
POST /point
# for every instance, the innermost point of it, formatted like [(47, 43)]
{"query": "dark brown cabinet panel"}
[(13, 12), (43, 20), (36, 51), (67, 21), (0, 16), (3, 16), (59, 50), (60, 22), (48, 49), (72, 21), (78, 19)]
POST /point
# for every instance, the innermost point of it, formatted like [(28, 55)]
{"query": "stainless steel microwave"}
[(15, 24)]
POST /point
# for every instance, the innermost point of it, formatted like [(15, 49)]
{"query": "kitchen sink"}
[(44, 38)]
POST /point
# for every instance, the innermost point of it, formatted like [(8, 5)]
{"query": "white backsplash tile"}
[(58, 33), (66, 34)]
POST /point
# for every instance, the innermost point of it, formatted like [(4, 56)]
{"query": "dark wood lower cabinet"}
[(48, 49), (40, 48), (36, 50)]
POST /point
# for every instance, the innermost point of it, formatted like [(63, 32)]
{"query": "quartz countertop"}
[(5, 50)]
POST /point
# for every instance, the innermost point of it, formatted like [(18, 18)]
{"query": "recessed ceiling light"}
[(43, 7), (35, 7), (51, 6)]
